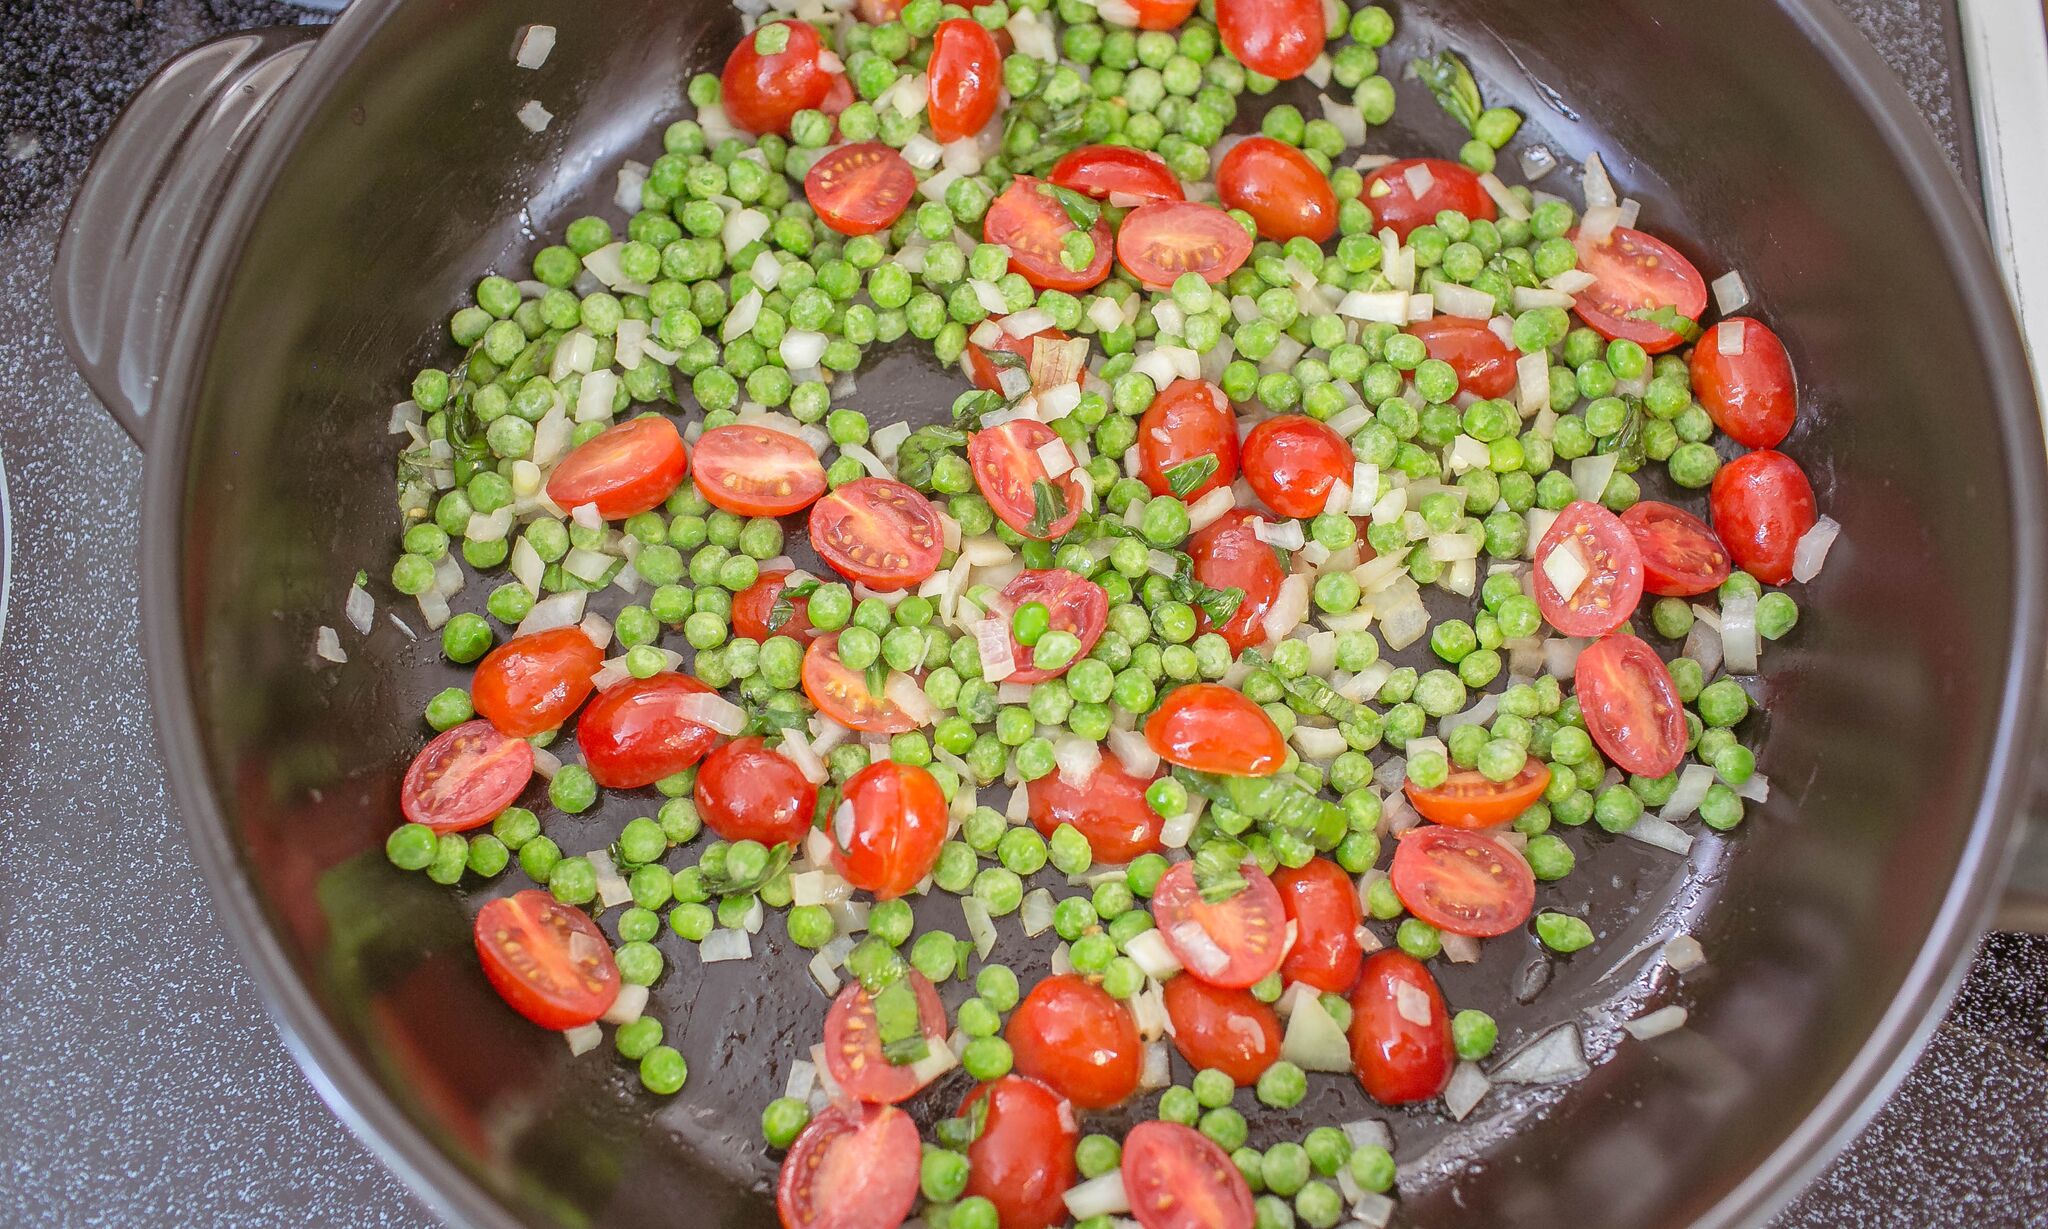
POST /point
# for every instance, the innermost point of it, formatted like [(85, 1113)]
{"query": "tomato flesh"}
[(637, 733), (1322, 902), (1032, 224), (1131, 176), (1229, 943), (854, 1167), (1397, 1060), (1229, 555), (746, 792), (753, 610), (762, 93), (964, 79), (1188, 420), (1468, 799), (1279, 38), (756, 471), (1110, 811), (1283, 191), (1083, 1044), (1613, 565), (1762, 505), (1292, 461), (1023, 1160), (887, 835), (879, 532), (464, 777), (841, 692), (1008, 469), (1210, 728), (982, 369), (1160, 241), (623, 470), (853, 1043), (1462, 882), (532, 683), (1630, 705), (547, 960), (1390, 194), (1637, 273), (1681, 556), (1485, 364), (1224, 1030), (1179, 1178)]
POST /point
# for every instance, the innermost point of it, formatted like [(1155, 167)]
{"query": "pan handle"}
[(125, 257)]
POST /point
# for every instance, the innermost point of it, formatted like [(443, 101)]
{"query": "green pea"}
[(1563, 933), (786, 1117)]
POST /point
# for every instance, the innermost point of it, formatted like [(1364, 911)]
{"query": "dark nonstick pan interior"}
[(394, 173)]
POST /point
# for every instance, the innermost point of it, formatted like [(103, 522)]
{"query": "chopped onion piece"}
[(1693, 781), (1453, 299), (1318, 743), (1813, 547), (553, 611), (583, 1038), (1204, 956), (902, 691), (713, 710), (1572, 281), (1036, 912), (1590, 475), (1375, 306), (628, 1007), (992, 642), (1655, 830), (1285, 534), (1684, 954), (1532, 383), (1739, 647), (1098, 1196), (1657, 1023), (1289, 608), (1369, 1133), (1411, 1003), (1468, 1084), (1731, 293), (1565, 568), (1554, 1058), (1313, 1041), (1599, 223), (533, 116), (1756, 789), (546, 763), (1598, 187), (531, 51), (722, 945), (979, 927), (1205, 511), (1511, 206), (1348, 119), (1134, 753), (327, 646), (1151, 954), (1461, 949), (1157, 1071), (1631, 210), (1420, 179), (1729, 339)]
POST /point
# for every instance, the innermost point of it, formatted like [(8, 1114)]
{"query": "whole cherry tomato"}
[(1023, 1160), (1750, 395), (1292, 461), (642, 730), (1222, 1029), (1082, 1043), (1283, 191), (1322, 902), (532, 683), (1187, 421), (746, 792), (964, 79), (1279, 38), (1399, 1059), (763, 89), (887, 832), (1390, 194), (1762, 505)]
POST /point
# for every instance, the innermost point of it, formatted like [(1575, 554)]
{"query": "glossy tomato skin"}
[(1076, 604), (1023, 1160), (1394, 204), (753, 608), (532, 683), (1222, 1029), (983, 371), (1210, 728), (1283, 191), (861, 188), (1279, 38), (746, 792), (624, 470), (1031, 224), (879, 532), (1468, 799), (1751, 396), (1008, 470), (1762, 505), (898, 823), (853, 1046), (547, 960), (1322, 902), (842, 694), (1178, 1178), (1110, 811), (1228, 555), (761, 93), (964, 79), (1250, 926), (1292, 461), (1681, 555), (1630, 705), (755, 471), (1462, 882), (464, 777), (1189, 419), (1485, 364), (1081, 1043), (1162, 14), (1637, 272), (854, 1167), (1162, 240), (1614, 566), (1397, 1060), (1102, 171), (635, 734)]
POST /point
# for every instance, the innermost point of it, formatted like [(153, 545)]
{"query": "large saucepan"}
[(260, 259)]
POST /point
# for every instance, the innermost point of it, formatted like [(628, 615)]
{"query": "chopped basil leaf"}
[(1189, 474), (1451, 81), (778, 861), (1004, 358), (1049, 502), (878, 678), (1082, 211)]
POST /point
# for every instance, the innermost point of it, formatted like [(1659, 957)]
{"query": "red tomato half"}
[(1132, 176), (860, 189), (1162, 14), (1032, 224), (1077, 605), (1468, 799), (1291, 462), (547, 960), (1179, 1178), (841, 692), (753, 610), (464, 777), (853, 1043), (879, 532), (964, 79), (1110, 811), (1322, 902), (1750, 395), (624, 470), (1630, 704), (1160, 241), (1279, 38), (1681, 556), (1390, 194), (1228, 555), (1762, 506), (1398, 1061), (637, 733), (532, 683), (1082, 1043), (1462, 882), (756, 471), (983, 371), (1023, 1160), (747, 792), (855, 1167), (1189, 419), (1613, 585), (1283, 191), (1222, 1030), (1484, 363), (1637, 273), (887, 835), (1210, 728), (762, 92), (1230, 943), (1008, 469)]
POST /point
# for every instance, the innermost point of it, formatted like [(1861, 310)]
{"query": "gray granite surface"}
[(141, 1083)]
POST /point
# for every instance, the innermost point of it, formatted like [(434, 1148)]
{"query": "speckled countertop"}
[(141, 1083)]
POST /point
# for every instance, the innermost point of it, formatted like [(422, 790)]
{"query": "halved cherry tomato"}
[(1189, 419), (1179, 1178), (853, 1043), (1291, 462), (1230, 943), (1637, 273), (1023, 1160), (1484, 363), (1613, 585), (1397, 1060), (746, 792), (1279, 38), (532, 683), (964, 79), (879, 532), (983, 370), (1008, 469), (1630, 704), (1110, 811), (855, 1167), (841, 692), (1162, 14), (1390, 194), (1762, 506), (1463, 882), (637, 733), (1032, 225), (1164, 239), (1468, 799), (1134, 176), (1082, 1043), (888, 836), (1750, 395), (464, 777), (753, 610), (860, 189), (878, 12), (1211, 728), (762, 92), (757, 471), (624, 470), (1322, 902), (1286, 194), (1681, 556), (1076, 604), (1228, 555), (1225, 1030), (547, 960)]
